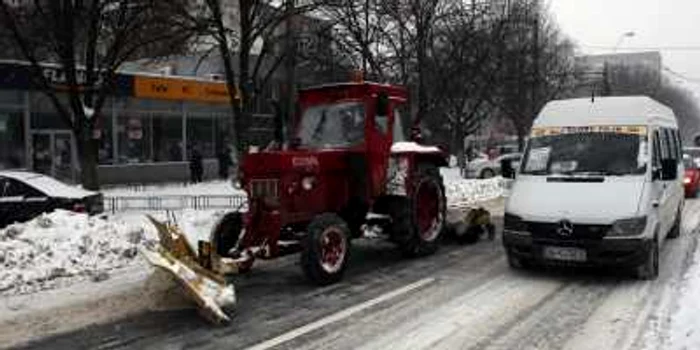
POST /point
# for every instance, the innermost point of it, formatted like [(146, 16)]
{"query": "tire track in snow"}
[(636, 314)]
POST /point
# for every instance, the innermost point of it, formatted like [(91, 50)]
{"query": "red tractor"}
[(348, 172)]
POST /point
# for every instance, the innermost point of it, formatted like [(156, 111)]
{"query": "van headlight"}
[(628, 227)]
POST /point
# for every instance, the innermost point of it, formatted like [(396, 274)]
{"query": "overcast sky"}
[(597, 25)]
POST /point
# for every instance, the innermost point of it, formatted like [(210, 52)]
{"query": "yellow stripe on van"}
[(616, 129)]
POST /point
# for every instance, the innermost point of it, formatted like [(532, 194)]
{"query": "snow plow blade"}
[(174, 255)]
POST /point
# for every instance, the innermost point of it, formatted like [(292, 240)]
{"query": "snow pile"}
[(468, 192), (412, 147), (462, 192), (62, 248), (43, 253), (685, 323)]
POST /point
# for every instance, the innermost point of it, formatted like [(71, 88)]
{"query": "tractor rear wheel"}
[(419, 219), (225, 235), (326, 249)]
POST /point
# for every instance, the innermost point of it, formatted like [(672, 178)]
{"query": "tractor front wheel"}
[(225, 235), (418, 221), (326, 249)]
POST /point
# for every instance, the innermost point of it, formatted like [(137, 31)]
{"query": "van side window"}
[(666, 149), (656, 151), (672, 143), (679, 142)]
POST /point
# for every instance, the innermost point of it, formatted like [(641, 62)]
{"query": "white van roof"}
[(628, 110)]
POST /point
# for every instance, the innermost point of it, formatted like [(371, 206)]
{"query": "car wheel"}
[(649, 270), (487, 174), (516, 263), (326, 249), (226, 233)]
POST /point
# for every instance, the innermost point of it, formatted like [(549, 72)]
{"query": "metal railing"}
[(118, 204)]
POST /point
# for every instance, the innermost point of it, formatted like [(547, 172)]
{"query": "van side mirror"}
[(656, 173)]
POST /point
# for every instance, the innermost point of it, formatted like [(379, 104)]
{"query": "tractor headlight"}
[(308, 183), (628, 227)]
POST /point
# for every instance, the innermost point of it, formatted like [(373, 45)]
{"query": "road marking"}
[(340, 315)]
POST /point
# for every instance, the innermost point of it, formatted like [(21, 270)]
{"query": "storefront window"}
[(103, 129), (167, 138), (44, 114), (222, 129), (12, 140), (134, 138), (12, 97), (200, 135)]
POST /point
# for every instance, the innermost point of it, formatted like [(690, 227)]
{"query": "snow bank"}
[(62, 248), (401, 147), (43, 253), (462, 192), (685, 323)]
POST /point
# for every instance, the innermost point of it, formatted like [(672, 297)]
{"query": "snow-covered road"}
[(460, 298)]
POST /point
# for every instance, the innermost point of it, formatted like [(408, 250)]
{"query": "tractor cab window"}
[(332, 125), (399, 131)]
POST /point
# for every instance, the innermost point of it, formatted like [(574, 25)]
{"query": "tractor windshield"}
[(332, 125)]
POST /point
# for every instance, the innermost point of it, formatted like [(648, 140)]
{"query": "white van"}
[(601, 183)]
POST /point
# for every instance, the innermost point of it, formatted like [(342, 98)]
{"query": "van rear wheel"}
[(676, 229)]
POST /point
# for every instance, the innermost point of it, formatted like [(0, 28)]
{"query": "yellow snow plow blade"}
[(175, 256)]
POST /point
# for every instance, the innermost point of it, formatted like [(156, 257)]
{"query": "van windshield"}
[(594, 154)]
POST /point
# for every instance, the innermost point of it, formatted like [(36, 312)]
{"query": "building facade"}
[(147, 129)]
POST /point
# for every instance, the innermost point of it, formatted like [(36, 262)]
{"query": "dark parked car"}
[(25, 195)]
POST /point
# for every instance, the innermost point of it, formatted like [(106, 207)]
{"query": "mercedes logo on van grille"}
[(565, 229)]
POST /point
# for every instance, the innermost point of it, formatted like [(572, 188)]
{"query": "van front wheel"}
[(649, 270)]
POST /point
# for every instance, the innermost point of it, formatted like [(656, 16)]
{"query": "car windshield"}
[(606, 154), (332, 125)]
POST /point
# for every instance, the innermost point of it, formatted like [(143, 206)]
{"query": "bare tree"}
[(250, 33), (636, 80), (537, 66), (89, 40)]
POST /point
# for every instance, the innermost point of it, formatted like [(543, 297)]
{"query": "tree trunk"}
[(521, 137), (87, 153)]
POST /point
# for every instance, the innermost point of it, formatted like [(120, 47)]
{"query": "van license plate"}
[(565, 254)]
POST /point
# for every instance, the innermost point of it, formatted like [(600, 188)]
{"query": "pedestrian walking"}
[(196, 166), (225, 162)]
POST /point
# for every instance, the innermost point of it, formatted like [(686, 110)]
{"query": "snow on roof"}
[(628, 110), (404, 147), (47, 185)]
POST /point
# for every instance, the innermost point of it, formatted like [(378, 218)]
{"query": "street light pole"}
[(622, 38)]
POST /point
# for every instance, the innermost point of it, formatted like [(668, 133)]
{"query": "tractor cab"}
[(340, 169), (348, 172)]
